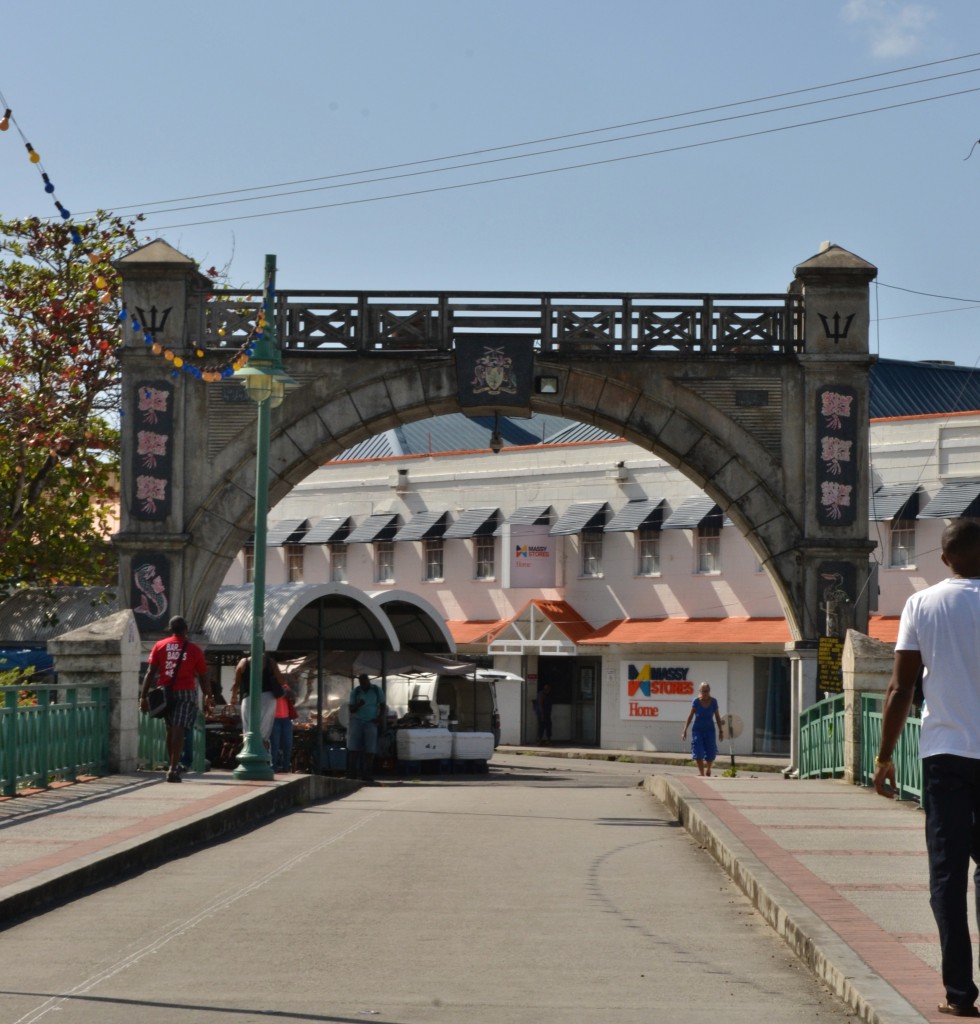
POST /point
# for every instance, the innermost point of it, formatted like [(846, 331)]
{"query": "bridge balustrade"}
[(822, 744), (642, 324), (52, 732)]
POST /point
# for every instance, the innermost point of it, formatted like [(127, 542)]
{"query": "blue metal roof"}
[(897, 388), (921, 389)]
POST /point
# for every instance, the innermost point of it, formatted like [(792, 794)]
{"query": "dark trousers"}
[(951, 798)]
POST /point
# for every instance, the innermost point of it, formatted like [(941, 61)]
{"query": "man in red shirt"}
[(178, 664)]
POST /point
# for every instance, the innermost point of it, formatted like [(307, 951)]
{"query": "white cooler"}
[(472, 746), (424, 744)]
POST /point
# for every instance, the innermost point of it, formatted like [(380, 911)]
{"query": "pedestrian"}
[(704, 711), (367, 714), (939, 632), (272, 688), (178, 664), (542, 711), (281, 740)]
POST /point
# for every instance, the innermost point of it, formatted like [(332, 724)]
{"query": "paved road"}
[(545, 892)]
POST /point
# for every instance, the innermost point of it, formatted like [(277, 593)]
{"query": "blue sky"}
[(129, 106)]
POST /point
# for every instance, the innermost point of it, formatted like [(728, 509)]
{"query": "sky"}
[(523, 145)]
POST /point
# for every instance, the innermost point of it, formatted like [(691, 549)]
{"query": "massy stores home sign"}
[(532, 557), (662, 691)]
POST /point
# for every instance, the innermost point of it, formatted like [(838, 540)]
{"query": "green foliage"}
[(59, 378)]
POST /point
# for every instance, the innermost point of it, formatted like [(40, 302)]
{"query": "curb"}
[(817, 945), (254, 806), (638, 757)]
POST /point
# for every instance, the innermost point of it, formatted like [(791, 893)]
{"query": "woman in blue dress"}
[(704, 708)]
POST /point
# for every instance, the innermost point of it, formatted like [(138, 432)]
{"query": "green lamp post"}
[(266, 382)]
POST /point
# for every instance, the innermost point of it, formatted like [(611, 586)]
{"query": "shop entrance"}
[(574, 688)]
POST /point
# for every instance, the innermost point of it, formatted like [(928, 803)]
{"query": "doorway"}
[(574, 685)]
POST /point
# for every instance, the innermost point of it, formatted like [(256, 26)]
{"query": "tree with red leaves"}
[(59, 382)]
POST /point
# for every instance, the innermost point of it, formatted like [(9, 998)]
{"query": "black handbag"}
[(156, 702)]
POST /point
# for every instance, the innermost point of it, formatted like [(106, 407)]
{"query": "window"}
[(591, 542), (485, 558), (294, 563), (708, 547), (338, 563), (250, 565), (432, 553), (384, 561), (647, 551), (902, 554)]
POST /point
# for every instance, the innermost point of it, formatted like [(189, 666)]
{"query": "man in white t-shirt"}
[(940, 634)]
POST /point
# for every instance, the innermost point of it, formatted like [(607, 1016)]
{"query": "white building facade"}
[(590, 564)]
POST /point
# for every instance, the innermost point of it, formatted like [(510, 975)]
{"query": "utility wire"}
[(556, 149), (567, 167), (551, 138)]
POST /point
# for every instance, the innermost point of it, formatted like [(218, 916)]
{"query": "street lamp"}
[(266, 383)]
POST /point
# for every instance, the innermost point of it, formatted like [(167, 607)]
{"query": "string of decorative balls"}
[(178, 363)]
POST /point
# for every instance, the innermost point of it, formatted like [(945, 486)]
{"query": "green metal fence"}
[(822, 739), (908, 766), (822, 744), (52, 733), (151, 751)]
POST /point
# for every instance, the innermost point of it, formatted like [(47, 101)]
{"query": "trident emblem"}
[(836, 335), (150, 324)]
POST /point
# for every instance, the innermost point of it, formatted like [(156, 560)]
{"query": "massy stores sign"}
[(661, 691), (532, 557)]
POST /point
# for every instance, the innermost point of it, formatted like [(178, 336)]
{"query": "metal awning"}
[(34, 615), (587, 515), (419, 625), (474, 522), (302, 618), (955, 500), (636, 514), (527, 515), (379, 526), (695, 512), (423, 526), (900, 501), (329, 530), (286, 531)]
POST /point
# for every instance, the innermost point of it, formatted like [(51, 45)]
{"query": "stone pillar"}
[(802, 656), (163, 411), (834, 471), (107, 651), (867, 667)]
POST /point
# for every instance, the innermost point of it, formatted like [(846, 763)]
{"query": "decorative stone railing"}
[(642, 324)]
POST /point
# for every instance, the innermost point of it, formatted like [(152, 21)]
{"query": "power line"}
[(567, 167), (557, 149), (558, 138), (930, 295)]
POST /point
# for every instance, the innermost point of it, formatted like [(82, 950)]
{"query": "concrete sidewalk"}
[(837, 871), (59, 843)]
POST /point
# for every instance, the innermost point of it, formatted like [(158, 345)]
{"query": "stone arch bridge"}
[(761, 400)]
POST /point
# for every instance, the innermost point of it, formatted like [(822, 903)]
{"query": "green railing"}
[(822, 739), (908, 766), (151, 751), (56, 733), (822, 744)]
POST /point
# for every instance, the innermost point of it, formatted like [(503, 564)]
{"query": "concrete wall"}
[(867, 665), (107, 651)]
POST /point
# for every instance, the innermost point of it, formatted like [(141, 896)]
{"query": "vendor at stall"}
[(367, 715)]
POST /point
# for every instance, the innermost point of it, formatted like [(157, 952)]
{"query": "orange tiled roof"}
[(477, 631), (731, 630), (883, 627), (564, 616)]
